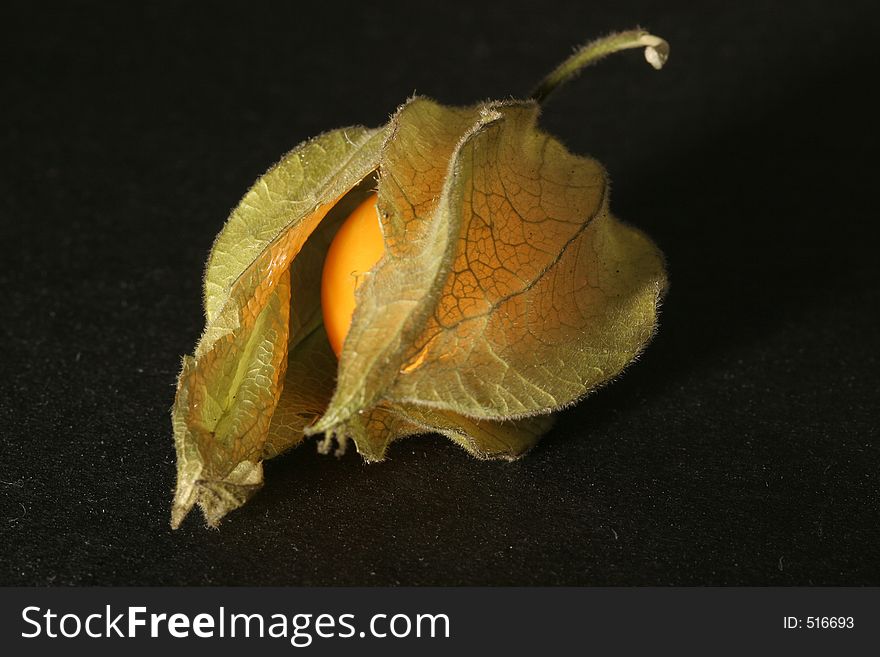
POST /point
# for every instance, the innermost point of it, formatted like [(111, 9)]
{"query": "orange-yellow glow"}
[(356, 248)]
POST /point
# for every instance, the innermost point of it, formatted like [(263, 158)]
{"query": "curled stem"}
[(656, 53)]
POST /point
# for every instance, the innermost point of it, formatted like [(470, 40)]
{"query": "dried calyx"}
[(505, 291)]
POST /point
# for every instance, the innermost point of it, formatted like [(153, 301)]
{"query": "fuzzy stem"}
[(656, 52)]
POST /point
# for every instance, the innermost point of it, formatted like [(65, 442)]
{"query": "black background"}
[(741, 448)]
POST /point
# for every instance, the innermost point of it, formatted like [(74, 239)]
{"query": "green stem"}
[(656, 52)]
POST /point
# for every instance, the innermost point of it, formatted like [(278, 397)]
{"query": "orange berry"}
[(357, 247)]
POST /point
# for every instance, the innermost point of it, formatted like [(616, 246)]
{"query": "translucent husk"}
[(507, 291)]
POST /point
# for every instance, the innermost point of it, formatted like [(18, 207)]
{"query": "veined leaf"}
[(397, 297), (548, 295), (227, 392)]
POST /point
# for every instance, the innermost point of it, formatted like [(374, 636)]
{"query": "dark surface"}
[(741, 449)]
